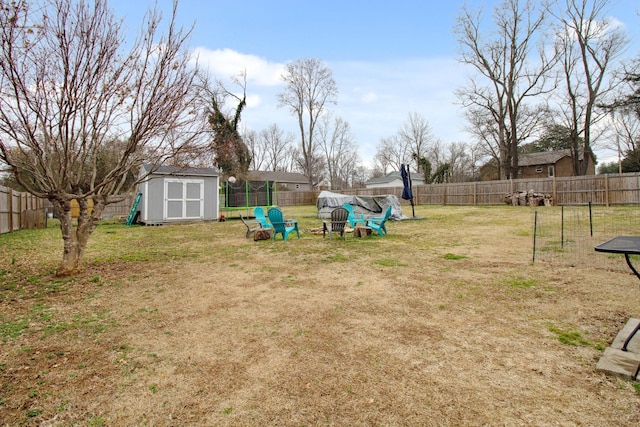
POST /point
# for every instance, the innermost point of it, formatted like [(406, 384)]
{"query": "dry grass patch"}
[(445, 321)]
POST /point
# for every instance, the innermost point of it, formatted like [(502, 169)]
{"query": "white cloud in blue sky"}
[(389, 59), (226, 62)]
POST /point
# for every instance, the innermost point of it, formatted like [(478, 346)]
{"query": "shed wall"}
[(153, 206)]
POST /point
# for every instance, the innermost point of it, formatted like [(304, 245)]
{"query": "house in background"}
[(283, 180), (174, 194), (544, 164), (394, 179)]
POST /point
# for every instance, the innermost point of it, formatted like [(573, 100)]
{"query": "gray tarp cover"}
[(368, 205)]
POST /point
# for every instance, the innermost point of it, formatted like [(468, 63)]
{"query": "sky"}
[(389, 59)]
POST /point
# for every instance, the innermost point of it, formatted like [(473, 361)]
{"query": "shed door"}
[(184, 198)]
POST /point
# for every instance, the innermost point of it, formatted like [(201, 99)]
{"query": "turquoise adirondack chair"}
[(354, 218), (280, 225), (258, 212), (377, 223)]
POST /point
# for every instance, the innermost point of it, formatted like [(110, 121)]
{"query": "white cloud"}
[(254, 101), (369, 96), (616, 23), (377, 97), (225, 63), (374, 97)]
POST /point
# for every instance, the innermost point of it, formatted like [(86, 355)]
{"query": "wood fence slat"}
[(23, 210), (612, 189), (603, 190)]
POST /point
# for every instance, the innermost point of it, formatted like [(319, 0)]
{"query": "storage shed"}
[(178, 194)]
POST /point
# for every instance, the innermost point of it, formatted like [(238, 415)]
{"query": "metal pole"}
[(413, 211), (535, 230), (590, 219), (562, 228), (246, 192), (226, 194), (274, 194), (268, 193)]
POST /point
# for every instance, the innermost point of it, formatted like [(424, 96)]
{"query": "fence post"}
[(10, 210), (475, 193), (23, 202), (606, 190)]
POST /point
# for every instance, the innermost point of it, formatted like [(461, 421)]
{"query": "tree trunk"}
[(586, 145), (70, 259), (75, 238), (72, 254)]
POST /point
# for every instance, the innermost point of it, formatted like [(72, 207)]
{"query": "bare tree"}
[(454, 158), (625, 133), (339, 149), (629, 98), (360, 175), (69, 88), (410, 145), (484, 129), (393, 153), (512, 76), (381, 159), (477, 157), (416, 135), (309, 87), (288, 162), (461, 162), (350, 171), (588, 44), (438, 154), (317, 164), (258, 155), (278, 148)]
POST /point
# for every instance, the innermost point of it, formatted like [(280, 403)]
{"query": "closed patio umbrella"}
[(407, 192)]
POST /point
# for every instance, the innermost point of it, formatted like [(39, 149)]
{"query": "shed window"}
[(539, 169), (552, 171), (184, 198)]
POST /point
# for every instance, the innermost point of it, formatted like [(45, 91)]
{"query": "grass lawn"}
[(443, 322)]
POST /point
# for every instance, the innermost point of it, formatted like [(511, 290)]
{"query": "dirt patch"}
[(434, 324)]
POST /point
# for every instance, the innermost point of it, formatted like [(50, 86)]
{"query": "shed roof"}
[(180, 170)]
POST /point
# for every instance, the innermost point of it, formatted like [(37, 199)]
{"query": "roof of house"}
[(393, 176), (289, 177), (539, 158), (180, 170), (542, 158)]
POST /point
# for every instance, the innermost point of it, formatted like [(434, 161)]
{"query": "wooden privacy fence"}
[(601, 190), (20, 210)]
